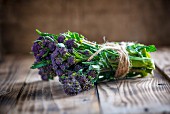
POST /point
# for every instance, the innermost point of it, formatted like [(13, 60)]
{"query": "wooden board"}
[(135, 96), (22, 91), (162, 61), (43, 97), (13, 72)]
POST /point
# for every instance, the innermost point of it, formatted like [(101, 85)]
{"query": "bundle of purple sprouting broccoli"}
[(66, 55)]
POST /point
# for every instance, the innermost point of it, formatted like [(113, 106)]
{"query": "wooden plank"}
[(135, 95), (162, 61), (41, 97), (13, 72), (6, 68)]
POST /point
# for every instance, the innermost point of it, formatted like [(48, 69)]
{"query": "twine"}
[(124, 63)]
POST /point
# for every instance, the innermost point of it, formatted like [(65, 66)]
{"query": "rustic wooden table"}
[(22, 91)]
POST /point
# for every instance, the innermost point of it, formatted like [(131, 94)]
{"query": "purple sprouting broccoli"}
[(60, 56), (77, 67), (46, 72), (92, 73), (71, 60), (59, 72), (51, 46), (62, 51), (70, 43), (42, 49), (70, 50), (57, 60), (85, 83), (61, 39), (71, 86)]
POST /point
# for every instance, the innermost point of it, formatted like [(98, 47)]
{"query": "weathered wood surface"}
[(43, 97), (22, 91), (13, 73), (135, 96), (162, 61)]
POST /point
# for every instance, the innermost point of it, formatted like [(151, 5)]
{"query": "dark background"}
[(144, 21)]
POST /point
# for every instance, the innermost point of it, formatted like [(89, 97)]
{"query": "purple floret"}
[(69, 43), (85, 83), (54, 54), (61, 39), (59, 72), (77, 68), (40, 38), (47, 72), (48, 58), (92, 73), (55, 67), (58, 61), (72, 86), (70, 50), (70, 60), (35, 48), (40, 48), (44, 77), (51, 46), (69, 73), (62, 50), (63, 66), (42, 52), (86, 53), (38, 58), (45, 42)]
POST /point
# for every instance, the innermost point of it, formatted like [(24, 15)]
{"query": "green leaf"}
[(150, 48), (39, 32), (45, 34), (90, 63), (80, 72), (62, 77), (40, 64)]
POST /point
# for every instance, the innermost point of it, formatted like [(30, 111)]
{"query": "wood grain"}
[(13, 72), (135, 96), (22, 91), (162, 61), (43, 97)]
